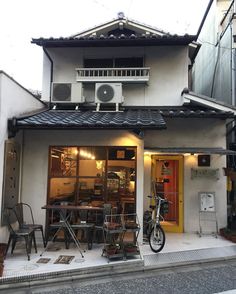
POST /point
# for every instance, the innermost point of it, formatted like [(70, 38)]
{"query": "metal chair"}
[(98, 228), (57, 224), (19, 233), (25, 218), (85, 226)]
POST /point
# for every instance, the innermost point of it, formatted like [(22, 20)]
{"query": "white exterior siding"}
[(14, 101), (194, 133), (168, 72)]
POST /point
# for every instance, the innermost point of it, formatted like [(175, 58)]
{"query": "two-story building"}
[(119, 118)]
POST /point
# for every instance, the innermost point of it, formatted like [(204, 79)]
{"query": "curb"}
[(71, 275), (109, 270)]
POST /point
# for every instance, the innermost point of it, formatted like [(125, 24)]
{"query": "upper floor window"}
[(113, 62)]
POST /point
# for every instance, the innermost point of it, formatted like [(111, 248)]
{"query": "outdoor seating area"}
[(58, 259), (72, 226), (76, 223)]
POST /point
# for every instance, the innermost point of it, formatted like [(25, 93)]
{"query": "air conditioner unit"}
[(67, 93), (108, 93)]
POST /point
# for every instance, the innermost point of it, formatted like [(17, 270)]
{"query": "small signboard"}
[(207, 201), (212, 173)]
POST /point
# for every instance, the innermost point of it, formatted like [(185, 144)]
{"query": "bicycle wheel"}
[(157, 238)]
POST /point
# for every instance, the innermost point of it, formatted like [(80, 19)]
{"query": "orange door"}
[(168, 175)]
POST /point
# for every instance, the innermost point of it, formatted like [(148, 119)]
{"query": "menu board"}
[(207, 201)]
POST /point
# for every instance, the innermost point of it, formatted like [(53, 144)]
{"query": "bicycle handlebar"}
[(156, 197)]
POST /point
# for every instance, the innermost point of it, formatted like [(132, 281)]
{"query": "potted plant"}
[(130, 247), (228, 234), (111, 249)]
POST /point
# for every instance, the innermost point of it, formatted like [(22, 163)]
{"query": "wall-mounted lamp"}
[(204, 160)]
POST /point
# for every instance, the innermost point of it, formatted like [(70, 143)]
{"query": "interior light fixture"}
[(86, 154)]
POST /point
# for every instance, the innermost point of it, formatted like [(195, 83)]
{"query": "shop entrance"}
[(167, 173)]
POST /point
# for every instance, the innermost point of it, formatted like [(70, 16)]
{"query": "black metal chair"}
[(84, 226), (98, 228), (25, 218), (57, 224), (19, 233)]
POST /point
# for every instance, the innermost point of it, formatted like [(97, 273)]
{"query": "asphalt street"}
[(201, 278)]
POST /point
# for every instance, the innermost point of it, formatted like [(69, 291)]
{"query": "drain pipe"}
[(204, 18), (51, 74)]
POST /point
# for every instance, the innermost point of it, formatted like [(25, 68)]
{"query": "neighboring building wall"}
[(212, 70), (14, 101), (168, 73), (36, 154), (203, 69), (222, 88), (195, 133)]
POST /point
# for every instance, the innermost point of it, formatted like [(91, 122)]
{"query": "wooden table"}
[(64, 219)]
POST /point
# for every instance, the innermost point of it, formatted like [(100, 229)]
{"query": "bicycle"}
[(156, 236)]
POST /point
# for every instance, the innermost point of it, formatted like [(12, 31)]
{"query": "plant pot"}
[(111, 251), (233, 238), (228, 234)]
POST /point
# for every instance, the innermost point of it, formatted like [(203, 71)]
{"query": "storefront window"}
[(121, 177), (62, 190), (63, 161), (88, 174)]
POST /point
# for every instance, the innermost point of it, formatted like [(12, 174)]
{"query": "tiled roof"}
[(186, 112), (135, 118), (130, 119), (115, 40)]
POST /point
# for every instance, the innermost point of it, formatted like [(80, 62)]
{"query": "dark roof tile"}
[(130, 119)]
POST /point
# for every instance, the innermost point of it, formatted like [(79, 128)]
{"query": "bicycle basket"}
[(164, 207)]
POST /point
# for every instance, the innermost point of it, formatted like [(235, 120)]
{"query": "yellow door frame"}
[(176, 227)]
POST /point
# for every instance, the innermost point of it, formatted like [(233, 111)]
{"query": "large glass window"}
[(90, 174), (63, 161)]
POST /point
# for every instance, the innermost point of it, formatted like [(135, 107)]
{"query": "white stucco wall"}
[(168, 71), (194, 133), (35, 158), (14, 101)]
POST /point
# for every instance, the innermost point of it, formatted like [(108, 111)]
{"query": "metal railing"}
[(113, 74)]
